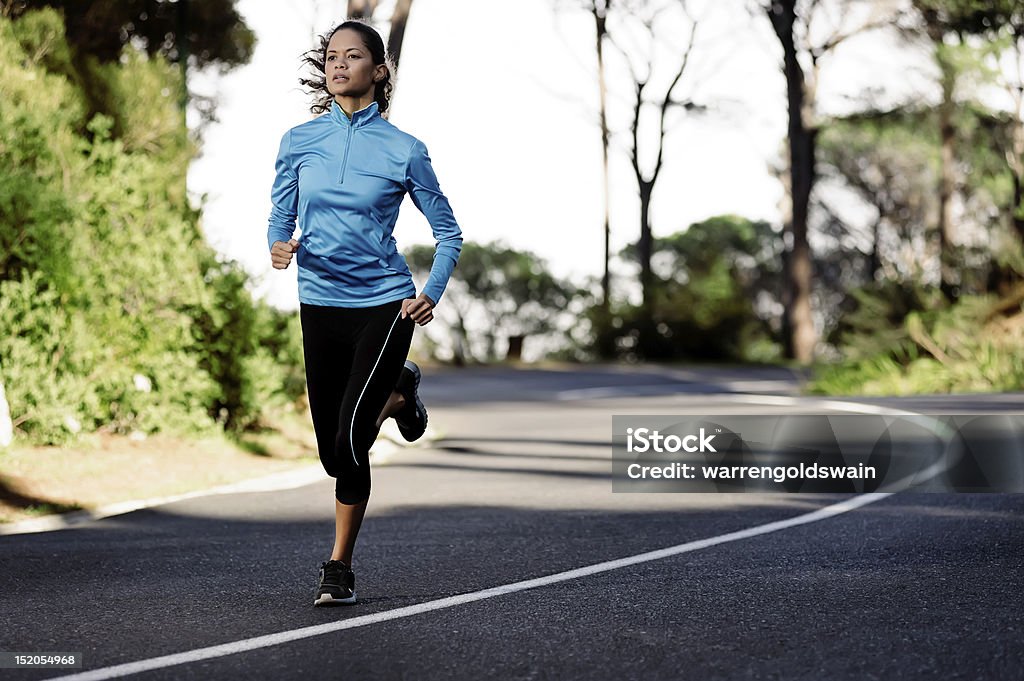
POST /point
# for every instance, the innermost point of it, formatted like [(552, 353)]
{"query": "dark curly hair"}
[(317, 58)]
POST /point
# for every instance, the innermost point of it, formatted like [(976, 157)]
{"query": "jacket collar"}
[(359, 118)]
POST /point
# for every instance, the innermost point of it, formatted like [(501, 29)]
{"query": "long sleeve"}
[(421, 183), (284, 196)]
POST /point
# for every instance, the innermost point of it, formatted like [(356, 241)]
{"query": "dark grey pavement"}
[(913, 586)]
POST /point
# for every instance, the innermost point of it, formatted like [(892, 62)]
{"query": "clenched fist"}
[(421, 309), (281, 253)]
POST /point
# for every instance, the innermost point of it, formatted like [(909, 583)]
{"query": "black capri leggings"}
[(354, 356)]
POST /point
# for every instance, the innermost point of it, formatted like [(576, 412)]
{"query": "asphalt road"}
[(910, 585)]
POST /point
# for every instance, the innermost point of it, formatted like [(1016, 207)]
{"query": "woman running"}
[(343, 175)]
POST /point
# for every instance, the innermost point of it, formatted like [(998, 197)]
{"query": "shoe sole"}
[(415, 371), (328, 599)]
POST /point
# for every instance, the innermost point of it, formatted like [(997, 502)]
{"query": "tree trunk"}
[(946, 188), (947, 156), (645, 246), (1002, 278), (6, 426), (1016, 214), (1015, 161), (364, 9), (361, 9), (399, 18), (460, 345), (515, 348), (874, 260), (798, 321), (182, 39), (600, 29)]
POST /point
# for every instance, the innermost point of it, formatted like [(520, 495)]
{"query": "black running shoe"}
[(337, 584), (412, 417)]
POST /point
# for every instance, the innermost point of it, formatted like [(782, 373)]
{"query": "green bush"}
[(703, 302), (44, 360), (976, 345), (115, 315)]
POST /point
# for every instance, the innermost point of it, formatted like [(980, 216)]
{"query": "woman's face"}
[(349, 66)]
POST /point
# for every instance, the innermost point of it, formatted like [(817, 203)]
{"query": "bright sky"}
[(504, 95)]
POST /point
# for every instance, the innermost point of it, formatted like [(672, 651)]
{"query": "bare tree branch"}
[(839, 38), (625, 55), (668, 95), (634, 151)]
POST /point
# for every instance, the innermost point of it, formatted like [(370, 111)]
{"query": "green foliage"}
[(222, 325), (873, 324), (975, 17), (36, 112), (276, 369), (114, 313), (912, 343), (61, 380), (711, 280), (43, 359), (890, 158), (208, 34), (495, 294), (216, 33)]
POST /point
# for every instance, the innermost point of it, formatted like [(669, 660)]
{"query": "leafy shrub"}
[(115, 315), (711, 282), (975, 345)]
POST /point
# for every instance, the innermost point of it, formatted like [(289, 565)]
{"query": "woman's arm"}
[(284, 196), (421, 183)]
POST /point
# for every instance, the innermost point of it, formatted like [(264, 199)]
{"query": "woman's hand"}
[(281, 253), (421, 309)]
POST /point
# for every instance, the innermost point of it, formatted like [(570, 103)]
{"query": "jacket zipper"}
[(344, 160)]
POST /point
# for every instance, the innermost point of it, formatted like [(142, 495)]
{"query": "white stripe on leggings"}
[(352, 426)]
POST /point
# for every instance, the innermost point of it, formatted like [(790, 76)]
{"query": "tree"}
[(497, 294), (114, 313), (715, 289), (641, 61), (1001, 23), (1007, 21), (947, 28), (942, 19), (791, 20), (189, 34), (599, 11), (216, 33), (888, 159)]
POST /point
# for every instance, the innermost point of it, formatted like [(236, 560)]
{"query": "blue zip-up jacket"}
[(344, 180)]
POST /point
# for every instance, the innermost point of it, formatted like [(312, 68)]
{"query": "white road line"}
[(440, 604), (268, 640), (602, 392)]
